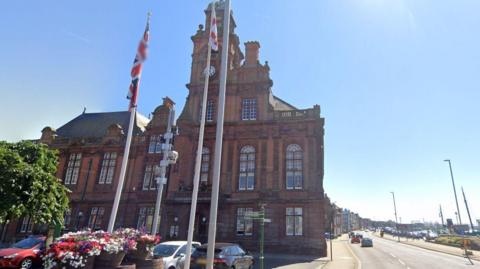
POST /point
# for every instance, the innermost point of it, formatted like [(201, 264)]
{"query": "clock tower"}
[(199, 57)]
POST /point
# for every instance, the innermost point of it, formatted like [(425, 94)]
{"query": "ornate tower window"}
[(294, 163), (249, 109), (210, 110), (205, 167), (246, 179)]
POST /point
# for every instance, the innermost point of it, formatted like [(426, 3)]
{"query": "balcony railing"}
[(297, 114)]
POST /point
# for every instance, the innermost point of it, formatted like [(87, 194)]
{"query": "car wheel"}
[(26, 264)]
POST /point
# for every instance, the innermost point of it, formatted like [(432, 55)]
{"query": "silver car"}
[(172, 252)]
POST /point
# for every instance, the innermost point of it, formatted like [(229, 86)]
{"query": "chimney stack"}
[(252, 53)]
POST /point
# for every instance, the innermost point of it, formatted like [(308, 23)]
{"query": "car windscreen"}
[(164, 250), (27, 243)]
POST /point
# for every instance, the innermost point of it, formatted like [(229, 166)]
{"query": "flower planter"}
[(150, 264), (139, 254), (107, 260), (88, 265)]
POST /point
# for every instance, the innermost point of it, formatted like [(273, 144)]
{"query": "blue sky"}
[(397, 80)]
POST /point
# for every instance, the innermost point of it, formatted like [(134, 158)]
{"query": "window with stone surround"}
[(149, 182), (108, 168), (244, 224), (249, 109), (96, 218), (73, 169), (155, 145), (246, 178), (294, 221), (294, 167), (145, 219), (27, 225)]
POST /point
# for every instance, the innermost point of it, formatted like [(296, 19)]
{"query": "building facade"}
[(273, 154)]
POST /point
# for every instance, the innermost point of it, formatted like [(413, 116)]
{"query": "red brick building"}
[(272, 154)]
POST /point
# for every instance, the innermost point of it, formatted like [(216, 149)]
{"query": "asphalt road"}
[(387, 254)]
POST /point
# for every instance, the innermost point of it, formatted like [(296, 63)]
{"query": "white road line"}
[(391, 254), (401, 262), (359, 263)]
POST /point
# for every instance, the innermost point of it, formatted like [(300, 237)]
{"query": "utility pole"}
[(441, 216), (262, 234), (396, 219), (454, 191), (468, 210), (169, 157)]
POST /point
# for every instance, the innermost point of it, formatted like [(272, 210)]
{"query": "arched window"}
[(294, 167), (205, 167), (246, 179)]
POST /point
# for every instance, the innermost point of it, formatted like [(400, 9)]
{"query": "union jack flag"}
[(213, 29), (137, 66)]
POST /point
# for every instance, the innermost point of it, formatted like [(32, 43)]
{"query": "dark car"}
[(23, 254), (366, 242), (227, 255)]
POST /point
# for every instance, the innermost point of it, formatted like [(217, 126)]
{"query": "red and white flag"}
[(136, 72), (213, 29)]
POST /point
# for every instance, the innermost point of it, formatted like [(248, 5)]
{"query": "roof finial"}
[(84, 109)]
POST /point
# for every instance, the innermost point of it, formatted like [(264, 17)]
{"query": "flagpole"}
[(132, 95), (121, 179), (198, 160), (212, 228)]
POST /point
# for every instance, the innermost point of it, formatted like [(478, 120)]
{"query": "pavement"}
[(389, 254), (282, 261), (343, 255)]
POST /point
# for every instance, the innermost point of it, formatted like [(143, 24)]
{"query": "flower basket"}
[(109, 260), (141, 253)]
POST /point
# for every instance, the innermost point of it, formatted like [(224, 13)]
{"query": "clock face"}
[(210, 72)]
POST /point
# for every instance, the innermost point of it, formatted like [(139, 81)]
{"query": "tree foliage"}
[(28, 186)]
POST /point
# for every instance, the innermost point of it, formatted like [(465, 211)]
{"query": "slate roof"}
[(96, 124)]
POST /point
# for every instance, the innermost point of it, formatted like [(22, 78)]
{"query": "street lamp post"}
[(396, 218), (454, 190)]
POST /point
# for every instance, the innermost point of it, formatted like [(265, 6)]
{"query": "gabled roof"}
[(96, 124), (282, 105)]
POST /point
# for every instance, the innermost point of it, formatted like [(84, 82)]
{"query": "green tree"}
[(28, 186)]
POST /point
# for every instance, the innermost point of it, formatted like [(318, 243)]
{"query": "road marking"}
[(391, 254), (401, 262), (359, 263)]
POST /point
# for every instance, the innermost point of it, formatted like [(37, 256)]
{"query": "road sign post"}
[(260, 216)]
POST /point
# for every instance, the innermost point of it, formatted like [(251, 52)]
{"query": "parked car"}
[(172, 252), (24, 254), (227, 255), (366, 242)]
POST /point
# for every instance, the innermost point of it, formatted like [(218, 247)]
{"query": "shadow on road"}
[(286, 261)]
